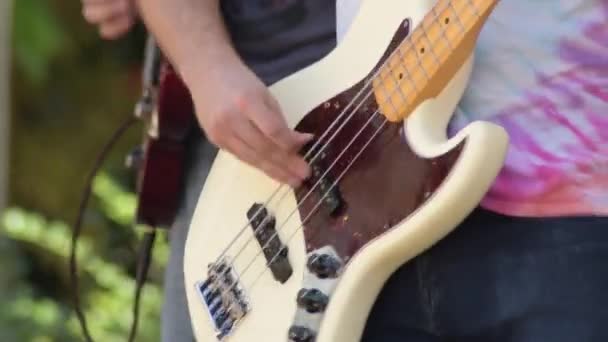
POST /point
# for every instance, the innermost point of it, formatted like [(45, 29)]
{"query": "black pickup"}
[(276, 254), (323, 183), (327, 189)]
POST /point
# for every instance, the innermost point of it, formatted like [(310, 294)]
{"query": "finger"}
[(247, 154), (96, 12), (116, 28), (269, 151), (301, 138), (264, 116), (272, 123)]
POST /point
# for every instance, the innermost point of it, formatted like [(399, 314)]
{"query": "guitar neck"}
[(428, 58)]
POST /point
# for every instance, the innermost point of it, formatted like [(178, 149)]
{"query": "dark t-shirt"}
[(276, 38)]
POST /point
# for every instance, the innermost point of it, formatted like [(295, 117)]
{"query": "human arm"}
[(233, 106), (114, 18)]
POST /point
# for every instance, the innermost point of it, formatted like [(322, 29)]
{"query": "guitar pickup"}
[(325, 186), (275, 252)]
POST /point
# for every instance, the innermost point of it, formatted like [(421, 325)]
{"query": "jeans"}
[(175, 318), (503, 279)]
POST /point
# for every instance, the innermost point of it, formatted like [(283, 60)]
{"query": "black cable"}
[(145, 252), (142, 272)]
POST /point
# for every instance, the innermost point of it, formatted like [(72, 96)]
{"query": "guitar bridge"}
[(224, 298)]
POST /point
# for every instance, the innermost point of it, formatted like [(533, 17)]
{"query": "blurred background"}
[(63, 91)]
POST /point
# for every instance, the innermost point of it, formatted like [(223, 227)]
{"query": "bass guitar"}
[(265, 262)]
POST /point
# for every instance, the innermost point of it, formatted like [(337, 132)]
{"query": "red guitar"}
[(168, 114)]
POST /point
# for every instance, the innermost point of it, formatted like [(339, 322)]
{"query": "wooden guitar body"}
[(388, 184)]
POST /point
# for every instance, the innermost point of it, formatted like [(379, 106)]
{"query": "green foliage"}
[(37, 42), (70, 90), (107, 291), (120, 206)]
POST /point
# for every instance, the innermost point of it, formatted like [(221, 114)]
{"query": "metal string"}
[(239, 274), (335, 182)]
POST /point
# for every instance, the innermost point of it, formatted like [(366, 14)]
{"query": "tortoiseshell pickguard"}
[(385, 184)]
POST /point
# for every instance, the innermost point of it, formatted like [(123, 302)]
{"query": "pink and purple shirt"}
[(541, 72)]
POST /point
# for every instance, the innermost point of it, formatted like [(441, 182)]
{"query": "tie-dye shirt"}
[(541, 72)]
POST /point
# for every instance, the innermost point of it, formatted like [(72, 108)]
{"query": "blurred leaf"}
[(120, 205), (116, 203), (70, 89), (38, 39), (109, 302)]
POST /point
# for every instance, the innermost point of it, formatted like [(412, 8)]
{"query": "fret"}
[(454, 23), (396, 75), (400, 90), (392, 88), (455, 13), (400, 71), (437, 31), (430, 43), (419, 61), (474, 7), (467, 12), (417, 75), (439, 24), (388, 96), (422, 47), (426, 60), (407, 72), (389, 99)]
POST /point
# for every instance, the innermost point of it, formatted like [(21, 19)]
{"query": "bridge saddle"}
[(223, 297)]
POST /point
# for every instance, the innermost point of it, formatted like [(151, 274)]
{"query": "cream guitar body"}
[(388, 182)]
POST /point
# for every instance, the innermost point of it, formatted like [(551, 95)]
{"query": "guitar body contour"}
[(401, 187)]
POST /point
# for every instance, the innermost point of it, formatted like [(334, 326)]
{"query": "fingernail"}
[(294, 183), (306, 137), (304, 172)]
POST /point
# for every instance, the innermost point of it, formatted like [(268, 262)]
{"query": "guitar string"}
[(321, 178), (236, 281), (256, 279), (315, 145), (390, 99), (397, 50), (400, 53), (280, 200), (319, 141), (346, 121), (333, 185), (320, 201)]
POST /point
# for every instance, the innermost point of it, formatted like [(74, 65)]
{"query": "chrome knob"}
[(324, 265), (312, 300), (301, 334)]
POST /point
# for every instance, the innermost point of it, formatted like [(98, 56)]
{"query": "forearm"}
[(191, 34), (233, 106)]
